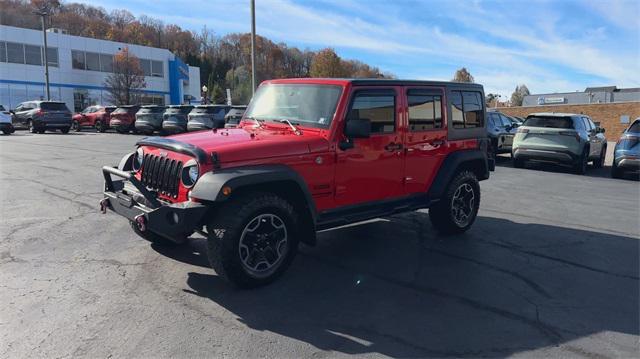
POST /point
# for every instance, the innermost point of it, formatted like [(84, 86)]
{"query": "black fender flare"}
[(450, 166)]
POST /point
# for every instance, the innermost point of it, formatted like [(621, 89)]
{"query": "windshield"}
[(54, 106), (312, 105), (635, 127), (185, 109), (549, 121)]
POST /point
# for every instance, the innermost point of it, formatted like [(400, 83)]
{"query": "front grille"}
[(161, 174)]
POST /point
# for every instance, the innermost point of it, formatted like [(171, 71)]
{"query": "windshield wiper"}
[(256, 120), (294, 128)]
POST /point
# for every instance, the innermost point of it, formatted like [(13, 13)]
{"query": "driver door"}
[(373, 169)]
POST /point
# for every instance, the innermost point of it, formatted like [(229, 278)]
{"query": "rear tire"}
[(457, 209), (31, 126), (599, 163), (253, 239), (156, 238), (75, 125), (65, 129), (517, 163), (100, 126), (7, 132), (580, 167)]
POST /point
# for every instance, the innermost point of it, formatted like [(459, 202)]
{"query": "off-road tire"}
[(65, 129), (580, 167), (75, 125), (156, 238), (100, 126), (227, 225), (441, 214), (599, 162)]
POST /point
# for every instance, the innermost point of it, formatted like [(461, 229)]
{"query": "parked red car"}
[(308, 155), (97, 117), (123, 119)]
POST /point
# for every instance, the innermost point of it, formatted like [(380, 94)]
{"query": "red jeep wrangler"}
[(309, 154)]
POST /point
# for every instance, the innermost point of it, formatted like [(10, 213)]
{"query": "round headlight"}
[(138, 159), (190, 175)]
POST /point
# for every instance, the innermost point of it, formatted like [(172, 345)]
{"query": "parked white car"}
[(6, 125)]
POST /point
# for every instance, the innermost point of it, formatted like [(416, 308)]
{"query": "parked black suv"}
[(40, 116)]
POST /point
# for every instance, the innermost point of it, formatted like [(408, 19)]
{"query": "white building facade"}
[(78, 67)]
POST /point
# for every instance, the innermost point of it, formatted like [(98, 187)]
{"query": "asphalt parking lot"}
[(550, 268)]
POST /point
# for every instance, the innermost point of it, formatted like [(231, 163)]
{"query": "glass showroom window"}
[(106, 63), (77, 58), (3, 51), (93, 61), (156, 69), (15, 53), (33, 55)]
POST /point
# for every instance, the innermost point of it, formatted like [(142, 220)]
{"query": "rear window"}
[(635, 127), (549, 121), (208, 109), (124, 110), (109, 109), (185, 109), (151, 110), (467, 109), (54, 106)]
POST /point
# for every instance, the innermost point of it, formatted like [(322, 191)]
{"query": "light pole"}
[(204, 97), (253, 46), (43, 13)]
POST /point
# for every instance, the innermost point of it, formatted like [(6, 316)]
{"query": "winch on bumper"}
[(130, 198)]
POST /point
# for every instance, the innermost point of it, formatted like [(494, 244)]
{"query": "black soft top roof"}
[(396, 82)]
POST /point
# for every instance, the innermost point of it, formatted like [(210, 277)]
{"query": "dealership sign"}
[(548, 100)]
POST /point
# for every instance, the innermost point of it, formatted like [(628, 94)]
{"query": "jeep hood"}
[(240, 144)]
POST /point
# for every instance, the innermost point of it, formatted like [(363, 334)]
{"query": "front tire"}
[(457, 210), (100, 126), (253, 239)]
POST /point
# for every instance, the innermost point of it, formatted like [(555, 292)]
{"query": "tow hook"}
[(141, 222), (104, 204)]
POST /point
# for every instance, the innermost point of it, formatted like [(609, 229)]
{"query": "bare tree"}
[(127, 79), (463, 75)]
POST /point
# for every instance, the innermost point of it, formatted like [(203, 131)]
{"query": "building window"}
[(425, 111), (156, 69), (33, 55), (106, 63), (3, 51), (15, 53), (376, 106), (52, 56), (92, 61), (78, 60), (466, 109), (146, 66)]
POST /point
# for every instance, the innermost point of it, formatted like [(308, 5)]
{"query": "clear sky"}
[(551, 46)]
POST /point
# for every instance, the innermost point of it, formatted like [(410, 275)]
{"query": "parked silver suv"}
[(40, 116), (563, 138)]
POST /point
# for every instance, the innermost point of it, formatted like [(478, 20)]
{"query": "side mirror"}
[(358, 128), (601, 129)]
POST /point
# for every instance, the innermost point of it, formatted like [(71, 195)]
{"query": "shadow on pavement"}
[(398, 289), (604, 172)]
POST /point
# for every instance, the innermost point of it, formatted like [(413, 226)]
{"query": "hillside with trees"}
[(224, 61)]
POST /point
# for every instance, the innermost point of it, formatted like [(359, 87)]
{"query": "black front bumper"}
[(129, 198)]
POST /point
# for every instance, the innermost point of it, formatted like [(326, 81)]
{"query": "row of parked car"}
[(41, 116)]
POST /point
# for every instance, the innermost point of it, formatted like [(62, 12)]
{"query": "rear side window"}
[(54, 106), (635, 127), (466, 109), (425, 110), (549, 121), (376, 106)]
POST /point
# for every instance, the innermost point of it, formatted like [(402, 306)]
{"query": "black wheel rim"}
[(463, 205), (263, 245)]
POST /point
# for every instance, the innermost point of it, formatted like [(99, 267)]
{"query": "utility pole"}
[(43, 13), (253, 46)]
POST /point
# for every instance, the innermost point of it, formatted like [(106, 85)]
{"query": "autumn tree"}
[(518, 95), (463, 75), (326, 63), (126, 80)]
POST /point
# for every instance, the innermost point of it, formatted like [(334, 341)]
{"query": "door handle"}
[(393, 147)]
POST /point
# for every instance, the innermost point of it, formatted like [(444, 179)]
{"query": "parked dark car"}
[(175, 118), (149, 119), (500, 129), (123, 118), (626, 156), (233, 117), (40, 116), (207, 117), (6, 121), (93, 117)]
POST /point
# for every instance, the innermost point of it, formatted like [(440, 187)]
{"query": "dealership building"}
[(78, 67), (591, 95)]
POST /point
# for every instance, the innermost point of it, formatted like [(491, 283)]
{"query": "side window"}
[(593, 125), (425, 110), (377, 106), (505, 121), (466, 109), (586, 124)]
